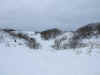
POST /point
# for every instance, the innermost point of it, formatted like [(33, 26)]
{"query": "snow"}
[(21, 60)]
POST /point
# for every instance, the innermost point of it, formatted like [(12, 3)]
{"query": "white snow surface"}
[(21, 60)]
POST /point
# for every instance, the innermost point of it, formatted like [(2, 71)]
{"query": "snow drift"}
[(18, 58)]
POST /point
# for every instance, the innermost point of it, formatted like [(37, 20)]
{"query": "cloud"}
[(48, 13)]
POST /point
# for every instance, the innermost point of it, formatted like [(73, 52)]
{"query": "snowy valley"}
[(49, 53)]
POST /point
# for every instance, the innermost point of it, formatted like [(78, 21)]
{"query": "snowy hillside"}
[(34, 41), (18, 58)]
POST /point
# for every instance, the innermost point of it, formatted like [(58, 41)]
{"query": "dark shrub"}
[(9, 30), (98, 28), (37, 32), (51, 33), (85, 31), (89, 30)]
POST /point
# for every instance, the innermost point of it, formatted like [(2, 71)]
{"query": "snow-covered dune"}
[(18, 59)]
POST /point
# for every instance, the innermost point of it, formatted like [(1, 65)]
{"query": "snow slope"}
[(21, 60)]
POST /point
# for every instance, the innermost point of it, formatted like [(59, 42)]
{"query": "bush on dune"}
[(87, 32), (75, 41), (51, 33), (62, 42), (30, 42)]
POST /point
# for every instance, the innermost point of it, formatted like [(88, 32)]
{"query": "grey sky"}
[(42, 14)]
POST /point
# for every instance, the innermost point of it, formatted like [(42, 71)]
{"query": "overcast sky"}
[(42, 14)]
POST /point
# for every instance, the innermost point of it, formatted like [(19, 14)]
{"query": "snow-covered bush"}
[(32, 43), (13, 35), (68, 40), (63, 41), (88, 31)]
